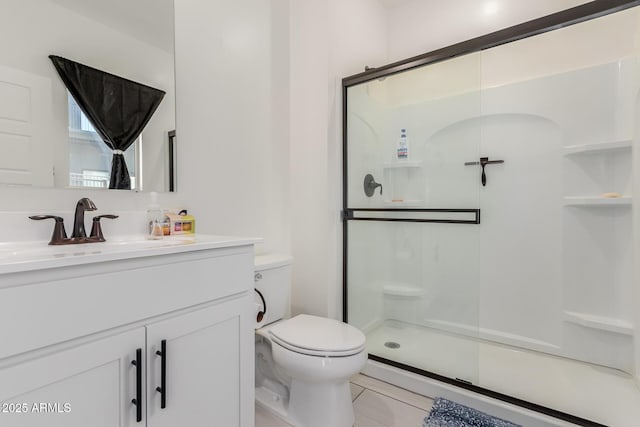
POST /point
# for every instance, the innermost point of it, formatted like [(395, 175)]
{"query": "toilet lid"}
[(318, 336)]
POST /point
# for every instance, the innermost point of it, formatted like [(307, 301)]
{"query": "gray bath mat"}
[(446, 413)]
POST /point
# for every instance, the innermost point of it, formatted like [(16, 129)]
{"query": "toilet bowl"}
[(303, 364)]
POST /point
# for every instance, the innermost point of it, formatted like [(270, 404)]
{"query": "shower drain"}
[(391, 344)]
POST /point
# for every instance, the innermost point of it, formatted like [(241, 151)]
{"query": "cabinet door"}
[(206, 360), (89, 385)]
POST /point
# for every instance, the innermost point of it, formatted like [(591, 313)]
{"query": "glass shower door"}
[(539, 132), (412, 222)]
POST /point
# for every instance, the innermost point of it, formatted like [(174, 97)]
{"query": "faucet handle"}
[(59, 233), (96, 228)]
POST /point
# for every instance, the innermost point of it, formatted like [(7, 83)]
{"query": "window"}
[(89, 157)]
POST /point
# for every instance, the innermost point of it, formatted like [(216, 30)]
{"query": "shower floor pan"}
[(597, 393)]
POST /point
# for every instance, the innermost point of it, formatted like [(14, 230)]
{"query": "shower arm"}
[(483, 162)]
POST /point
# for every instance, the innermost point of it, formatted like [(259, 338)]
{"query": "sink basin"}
[(23, 256), (140, 242), (12, 252)]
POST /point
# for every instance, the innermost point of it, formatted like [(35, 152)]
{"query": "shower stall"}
[(488, 214)]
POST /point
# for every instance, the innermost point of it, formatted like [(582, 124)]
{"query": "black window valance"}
[(118, 108)]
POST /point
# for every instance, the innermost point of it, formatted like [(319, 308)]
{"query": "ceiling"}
[(393, 3)]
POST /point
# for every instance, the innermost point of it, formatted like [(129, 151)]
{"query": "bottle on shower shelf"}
[(402, 151)]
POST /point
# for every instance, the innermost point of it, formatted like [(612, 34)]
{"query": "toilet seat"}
[(318, 336)]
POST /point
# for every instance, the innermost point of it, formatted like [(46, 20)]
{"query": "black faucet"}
[(84, 204), (79, 235)]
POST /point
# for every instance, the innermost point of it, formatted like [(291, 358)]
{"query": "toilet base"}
[(321, 405), (312, 405), (273, 402)]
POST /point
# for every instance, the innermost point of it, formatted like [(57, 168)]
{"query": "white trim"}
[(598, 147), (602, 323), (493, 335), (84, 136), (372, 325)]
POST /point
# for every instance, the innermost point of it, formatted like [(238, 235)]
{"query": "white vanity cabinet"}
[(202, 368), (91, 384), (69, 336)]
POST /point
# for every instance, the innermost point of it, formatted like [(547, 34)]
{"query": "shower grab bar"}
[(483, 162), (412, 215)]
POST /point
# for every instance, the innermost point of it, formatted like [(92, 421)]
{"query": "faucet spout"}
[(84, 204)]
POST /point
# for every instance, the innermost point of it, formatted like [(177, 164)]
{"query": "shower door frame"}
[(562, 19)]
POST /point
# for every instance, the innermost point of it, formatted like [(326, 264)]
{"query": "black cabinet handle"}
[(163, 374), (138, 400)]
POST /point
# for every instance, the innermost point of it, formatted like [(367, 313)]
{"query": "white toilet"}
[(303, 364)]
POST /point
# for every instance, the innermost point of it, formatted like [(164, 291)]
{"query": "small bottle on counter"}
[(155, 219)]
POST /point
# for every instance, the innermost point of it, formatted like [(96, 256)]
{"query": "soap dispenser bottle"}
[(155, 218)]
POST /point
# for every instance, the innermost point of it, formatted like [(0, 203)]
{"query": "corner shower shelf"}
[(602, 323), (404, 203), (600, 147), (402, 164), (403, 290), (597, 201)]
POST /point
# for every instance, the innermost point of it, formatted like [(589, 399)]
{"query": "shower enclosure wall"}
[(498, 255)]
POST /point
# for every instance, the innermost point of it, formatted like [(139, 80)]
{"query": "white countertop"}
[(27, 256)]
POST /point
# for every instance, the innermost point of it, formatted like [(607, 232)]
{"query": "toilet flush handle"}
[(261, 313)]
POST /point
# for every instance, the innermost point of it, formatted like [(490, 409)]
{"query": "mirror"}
[(44, 140)]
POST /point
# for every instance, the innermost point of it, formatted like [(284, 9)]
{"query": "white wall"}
[(18, 203), (419, 26), (329, 40), (232, 112), (309, 156)]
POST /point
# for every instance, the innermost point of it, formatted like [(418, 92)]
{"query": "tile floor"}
[(376, 404)]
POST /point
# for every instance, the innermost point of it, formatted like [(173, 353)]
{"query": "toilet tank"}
[(273, 279)]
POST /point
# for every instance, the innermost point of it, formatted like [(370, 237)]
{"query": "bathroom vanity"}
[(127, 333)]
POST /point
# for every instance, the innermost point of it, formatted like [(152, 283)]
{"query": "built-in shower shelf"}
[(403, 164), (403, 203), (597, 201), (402, 290), (609, 324), (600, 147)]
